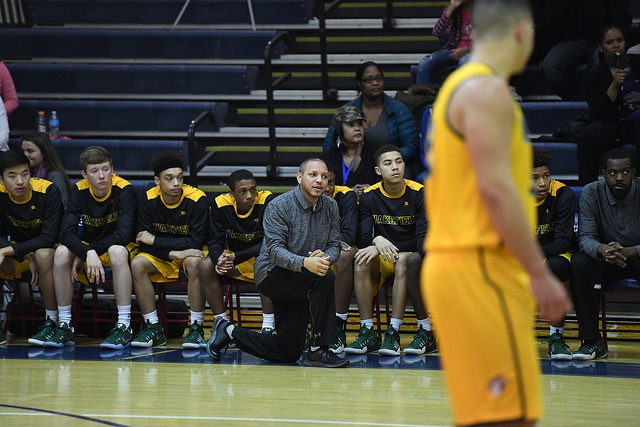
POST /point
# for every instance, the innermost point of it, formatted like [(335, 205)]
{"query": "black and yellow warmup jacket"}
[(400, 218), (556, 214), (32, 224), (183, 225), (347, 202), (106, 221), (241, 234)]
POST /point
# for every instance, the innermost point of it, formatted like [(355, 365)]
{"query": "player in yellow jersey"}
[(484, 271)]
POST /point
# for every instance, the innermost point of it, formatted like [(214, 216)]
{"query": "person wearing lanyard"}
[(350, 156)]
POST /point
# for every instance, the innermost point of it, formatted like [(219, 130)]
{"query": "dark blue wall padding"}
[(127, 154), (544, 117), (133, 79), (24, 43), (117, 115), (166, 11), (564, 157)]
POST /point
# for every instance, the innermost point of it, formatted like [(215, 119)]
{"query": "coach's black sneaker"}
[(324, 358), (219, 338), (592, 349)]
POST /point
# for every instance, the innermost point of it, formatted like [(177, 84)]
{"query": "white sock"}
[(268, 320), (425, 323), (229, 330), (343, 316), (197, 316), (367, 322), (223, 315), (396, 323), (554, 329), (124, 315), (64, 314), (151, 317), (52, 314)]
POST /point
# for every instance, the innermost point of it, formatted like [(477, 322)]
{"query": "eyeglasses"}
[(369, 80)]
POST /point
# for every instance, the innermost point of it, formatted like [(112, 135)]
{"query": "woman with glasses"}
[(387, 121)]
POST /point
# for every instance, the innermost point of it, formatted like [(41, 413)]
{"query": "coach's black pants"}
[(586, 273), (297, 299)]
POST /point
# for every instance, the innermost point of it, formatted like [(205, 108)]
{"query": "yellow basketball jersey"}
[(456, 213)]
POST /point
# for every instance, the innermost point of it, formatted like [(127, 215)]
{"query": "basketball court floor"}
[(83, 385)]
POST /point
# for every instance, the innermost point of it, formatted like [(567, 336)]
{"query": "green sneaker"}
[(366, 342), (195, 337), (62, 337), (596, 349), (338, 347), (45, 332), (119, 337), (268, 331), (558, 349), (150, 336), (307, 339), (423, 342), (391, 344)]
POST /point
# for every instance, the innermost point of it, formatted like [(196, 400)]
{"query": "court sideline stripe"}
[(270, 420), (64, 414)]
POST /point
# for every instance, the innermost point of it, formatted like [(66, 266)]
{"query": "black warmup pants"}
[(297, 299), (586, 273)]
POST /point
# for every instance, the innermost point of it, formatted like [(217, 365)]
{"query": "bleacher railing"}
[(194, 164)]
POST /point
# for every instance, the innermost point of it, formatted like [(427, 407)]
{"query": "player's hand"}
[(76, 266), (365, 255), (95, 270), (551, 296), (145, 237), (317, 253), (225, 262), (186, 253), (345, 247), (388, 250), (33, 268), (317, 265)]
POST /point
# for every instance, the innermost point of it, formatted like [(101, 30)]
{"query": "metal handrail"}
[(192, 144), (270, 86)]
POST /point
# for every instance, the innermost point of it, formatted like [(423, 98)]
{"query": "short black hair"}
[(239, 175), (541, 157), (617, 154), (12, 158), (387, 148), (166, 160), (362, 67)]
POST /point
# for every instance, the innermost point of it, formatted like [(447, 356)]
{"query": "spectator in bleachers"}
[(301, 241), (388, 121), (392, 227), (609, 237), (30, 213), (347, 202), (7, 90), (4, 128), (172, 229), (556, 214), (611, 118), (45, 163), (350, 156), (106, 206), (235, 238), (454, 25), (580, 22)]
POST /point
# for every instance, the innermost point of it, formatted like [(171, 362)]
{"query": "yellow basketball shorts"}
[(245, 271), (106, 261), (168, 271), (483, 312), (19, 267)]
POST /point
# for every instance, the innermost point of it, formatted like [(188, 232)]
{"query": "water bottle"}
[(42, 122), (54, 123)]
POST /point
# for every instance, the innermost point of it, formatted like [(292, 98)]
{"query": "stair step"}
[(263, 148)]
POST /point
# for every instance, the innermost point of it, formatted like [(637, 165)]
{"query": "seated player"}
[(236, 235), (391, 235), (556, 212), (348, 208), (30, 214), (105, 205), (172, 226)]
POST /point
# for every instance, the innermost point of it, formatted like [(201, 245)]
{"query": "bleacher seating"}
[(135, 44), (130, 79), (165, 11)]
